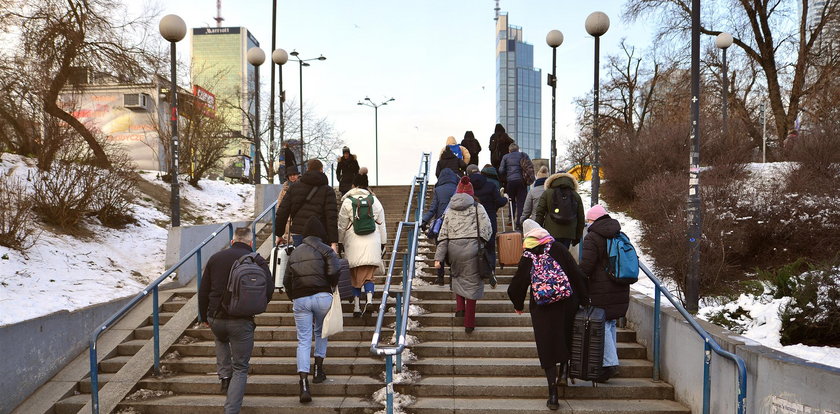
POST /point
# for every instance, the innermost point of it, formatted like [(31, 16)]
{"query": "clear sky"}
[(435, 57)]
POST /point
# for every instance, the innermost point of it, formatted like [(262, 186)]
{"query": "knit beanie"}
[(292, 171), (465, 186), (596, 212), (315, 228), (543, 172), (361, 180), (472, 169), (345, 150)]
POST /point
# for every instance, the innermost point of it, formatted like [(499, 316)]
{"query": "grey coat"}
[(458, 243), (531, 200)]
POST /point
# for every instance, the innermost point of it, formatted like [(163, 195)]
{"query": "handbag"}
[(334, 321), (434, 228), (485, 268)]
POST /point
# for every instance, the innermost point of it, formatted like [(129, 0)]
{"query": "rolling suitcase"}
[(345, 288), (587, 353), (509, 244), (279, 259)]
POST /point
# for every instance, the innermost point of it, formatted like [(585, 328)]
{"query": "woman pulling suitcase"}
[(557, 288)]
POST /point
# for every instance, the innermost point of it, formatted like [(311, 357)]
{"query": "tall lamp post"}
[(695, 213), (173, 29), (280, 57), (596, 24), (375, 106), (302, 63), (256, 57), (723, 41), (554, 38)]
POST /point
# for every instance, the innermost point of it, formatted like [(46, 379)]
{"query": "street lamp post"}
[(553, 39), (302, 63), (597, 23), (723, 41), (256, 57), (280, 57), (270, 163), (375, 107), (173, 29), (695, 213)]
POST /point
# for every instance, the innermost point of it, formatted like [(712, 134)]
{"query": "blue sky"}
[(436, 57)]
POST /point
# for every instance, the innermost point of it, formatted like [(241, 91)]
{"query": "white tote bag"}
[(334, 321)]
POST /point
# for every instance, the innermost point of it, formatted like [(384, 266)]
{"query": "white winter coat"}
[(361, 250)]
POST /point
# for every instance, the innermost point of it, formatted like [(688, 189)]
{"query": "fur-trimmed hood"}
[(341, 157), (561, 180)]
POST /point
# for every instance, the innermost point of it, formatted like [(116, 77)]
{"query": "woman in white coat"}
[(362, 235)]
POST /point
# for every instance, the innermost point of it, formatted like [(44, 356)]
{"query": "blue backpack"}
[(456, 149), (623, 265)]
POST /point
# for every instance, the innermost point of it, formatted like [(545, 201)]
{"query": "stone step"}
[(534, 387), (279, 385), (261, 348), (510, 367), (474, 349), (366, 365), (267, 333), (504, 404), (256, 404), (494, 333)]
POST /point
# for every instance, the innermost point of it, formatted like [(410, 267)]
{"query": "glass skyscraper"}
[(220, 65), (518, 99)]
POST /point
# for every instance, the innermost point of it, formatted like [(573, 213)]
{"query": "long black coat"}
[(613, 297), (449, 160), (473, 146), (346, 172), (323, 205), (499, 145), (489, 197), (552, 323)]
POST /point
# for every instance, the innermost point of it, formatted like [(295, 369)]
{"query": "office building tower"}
[(219, 65), (518, 99)]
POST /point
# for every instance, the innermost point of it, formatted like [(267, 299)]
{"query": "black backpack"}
[(247, 287), (563, 209)]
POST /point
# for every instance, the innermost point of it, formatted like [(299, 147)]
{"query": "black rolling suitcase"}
[(587, 344), (345, 288)]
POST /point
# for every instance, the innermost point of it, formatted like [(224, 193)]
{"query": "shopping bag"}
[(334, 321)]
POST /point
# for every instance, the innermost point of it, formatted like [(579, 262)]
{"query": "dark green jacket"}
[(573, 231)]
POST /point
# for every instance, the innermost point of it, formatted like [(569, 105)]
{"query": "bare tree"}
[(59, 38), (775, 34), (628, 95)]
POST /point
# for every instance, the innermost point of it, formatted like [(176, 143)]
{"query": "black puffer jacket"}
[(313, 268), (346, 172), (322, 205), (499, 145), (449, 160), (472, 145), (604, 293)]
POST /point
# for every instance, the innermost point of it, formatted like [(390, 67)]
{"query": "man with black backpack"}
[(311, 196), (560, 209), (236, 285)]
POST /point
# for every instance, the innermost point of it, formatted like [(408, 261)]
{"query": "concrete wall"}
[(33, 351), (776, 382), (183, 239), (264, 195)]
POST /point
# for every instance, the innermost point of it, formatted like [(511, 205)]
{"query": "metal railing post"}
[(389, 384), (274, 226), (156, 328), (199, 269), (397, 326), (707, 377), (656, 334), (94, 377)]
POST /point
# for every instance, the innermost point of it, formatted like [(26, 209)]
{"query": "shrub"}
[(17, 230), (65, 193), (116, 193), (813, 317)]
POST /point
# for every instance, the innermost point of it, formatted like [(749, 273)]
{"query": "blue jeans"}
[(610, 350), (310, 310), (234, 344)]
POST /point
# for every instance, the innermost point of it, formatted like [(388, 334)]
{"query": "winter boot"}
[(305, 396), (320, 376), (225, 385), (368, 301), (563, 380), (553, 402), (357, 311)]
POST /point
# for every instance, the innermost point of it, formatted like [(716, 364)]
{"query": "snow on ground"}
[(62, 272), (216, 202)]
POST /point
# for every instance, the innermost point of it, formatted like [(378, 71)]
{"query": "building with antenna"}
[(518, 99)]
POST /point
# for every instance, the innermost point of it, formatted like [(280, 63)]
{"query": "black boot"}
[(225, 385), (563, 380), (320, 376), (305, 396), (553, 402)]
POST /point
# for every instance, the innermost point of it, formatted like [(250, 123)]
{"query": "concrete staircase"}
[(493, 370)]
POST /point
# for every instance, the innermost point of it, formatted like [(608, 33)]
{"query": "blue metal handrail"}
[(273, 210), (421, 180), (709, 345)]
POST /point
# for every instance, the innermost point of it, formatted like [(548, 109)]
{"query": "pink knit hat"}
[(596, 212)]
